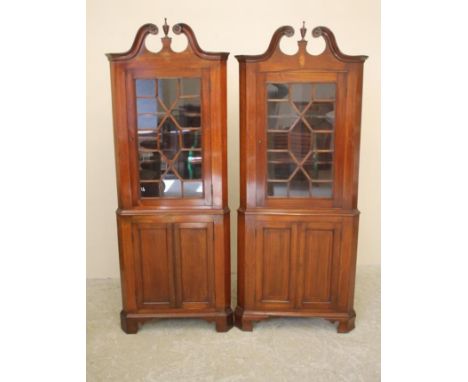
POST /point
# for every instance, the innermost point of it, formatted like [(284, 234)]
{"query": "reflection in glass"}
[(279, 189), (169, 139), (319, 166), (147, 140), (167, 91), (278, 141), (323, 141), (172, 185), (149, 190), (187, 112), (280, 165), (193, 189), (191, 139), (300, 140), (301, 95), (148, 144), (299, 185), (277, 91), (145, 88), (147, 121), (300, 137), (150, 169), (281, 115), (322, 190), (188, 164), (190, 86), (325, 91), (320, 116), (146, 105)]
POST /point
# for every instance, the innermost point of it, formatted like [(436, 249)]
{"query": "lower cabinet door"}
[(174, 265), (154, 265), (275, 265), (193, 243), (297, 265), (319, 264)]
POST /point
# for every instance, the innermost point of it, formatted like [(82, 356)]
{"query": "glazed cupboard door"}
[(300, 139), (154, 265), (193, 243), (318, 265), (275, 264), (169, 122)]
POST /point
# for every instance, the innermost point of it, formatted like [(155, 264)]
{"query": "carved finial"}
[(165, 27), (303, 31)]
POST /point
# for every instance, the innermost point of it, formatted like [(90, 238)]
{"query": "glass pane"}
[(147, 140), (148, 144), (146, 105), (300, 140), (321, 115), (189, 164), (193, 189), (170, 158), (147, 121), (279, 189), (150, 190), (151, 166), (187, 112), (280, 169), (167, 91), (190, 86), (277, 91), (171, 185), (322, 141), (145, 88), (169, 139), (299, 185), (300, 137), (191, 139), (301, 95), (319, 166), (322, 190), (325, 91), (278, 141), (281, 115)]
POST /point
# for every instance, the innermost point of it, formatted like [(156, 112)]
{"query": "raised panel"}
[(319, 264), (154, 264), (318, 255), (194, 255), (275, 255)]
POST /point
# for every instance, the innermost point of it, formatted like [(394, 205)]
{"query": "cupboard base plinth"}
[(130, 322), (244, 318)]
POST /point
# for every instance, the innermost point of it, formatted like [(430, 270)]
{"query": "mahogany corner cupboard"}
[(299, 154), (169, 111)]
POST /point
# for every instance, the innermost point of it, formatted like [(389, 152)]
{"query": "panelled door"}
[(275, 259), (318, 265), (174, 265), (296, 265), (193, 243)]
